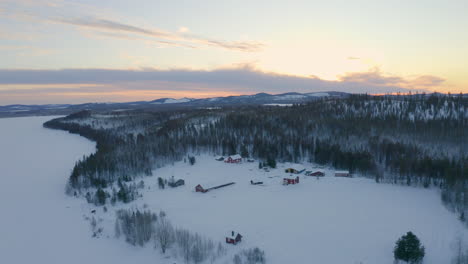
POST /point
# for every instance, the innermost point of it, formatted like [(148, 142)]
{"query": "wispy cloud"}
[(87, 18), (180, 38)]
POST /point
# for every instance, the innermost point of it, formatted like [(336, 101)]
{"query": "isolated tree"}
[(161, 183), (408, 248), (271, 162), (164, 233), (192, 160)]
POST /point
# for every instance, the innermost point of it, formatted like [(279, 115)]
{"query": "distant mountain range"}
[(168, 103), (172, 103)]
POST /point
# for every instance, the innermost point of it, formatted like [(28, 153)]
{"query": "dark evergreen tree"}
[(271, 162), (408, 248), (100, 197)]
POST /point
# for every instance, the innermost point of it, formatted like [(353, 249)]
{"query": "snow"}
[(329, 220), (235, 157), (318, 94), (39, 223), (176, 101), (342, 172), (278, 104), (289, 97)]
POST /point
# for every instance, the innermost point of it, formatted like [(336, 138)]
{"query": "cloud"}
[(375, 77), (353, 58), (171, 38), (241, 79), (88, 17)]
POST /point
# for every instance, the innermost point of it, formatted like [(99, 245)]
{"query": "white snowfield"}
[(327, 220), (330, 220), (38, 222)]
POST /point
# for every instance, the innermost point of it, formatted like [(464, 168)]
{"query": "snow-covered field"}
[(330, 220), (38, 222)]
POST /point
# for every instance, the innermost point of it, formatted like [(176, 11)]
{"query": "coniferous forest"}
[(416, 140)]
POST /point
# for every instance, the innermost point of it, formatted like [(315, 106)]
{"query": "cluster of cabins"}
[(234, 237), (233, 159), (298, 169)]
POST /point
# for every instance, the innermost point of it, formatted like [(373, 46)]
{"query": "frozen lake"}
[(39, 223)]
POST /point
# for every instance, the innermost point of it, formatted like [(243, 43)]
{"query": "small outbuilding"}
[(199, 188), (177, 183), (343, 173), (315, 173), (295, 168), (233, 159), (291, 180), (233, 238), (219, 158)]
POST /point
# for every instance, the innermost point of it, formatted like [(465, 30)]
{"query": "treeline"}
[(414, 140)]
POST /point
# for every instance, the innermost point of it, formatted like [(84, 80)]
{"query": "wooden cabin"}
[(177, 183), (233, 159), (233, 238), (342, 174), (287, 181), (296, 169), (199, 188), (315, 173)]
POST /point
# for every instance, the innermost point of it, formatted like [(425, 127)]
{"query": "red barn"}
[(234, 238), (233, 159), (199, 188), (287, 181), (316, 173)]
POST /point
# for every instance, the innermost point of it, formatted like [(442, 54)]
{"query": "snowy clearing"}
[(328, 220)]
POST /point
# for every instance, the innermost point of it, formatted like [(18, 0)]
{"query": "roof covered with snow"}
[(297, 167), (232, 234), (237, 156)]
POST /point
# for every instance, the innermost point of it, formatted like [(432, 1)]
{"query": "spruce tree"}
[(408, 248)]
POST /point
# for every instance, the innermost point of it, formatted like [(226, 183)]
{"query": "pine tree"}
[(408, 248), (100, 197)]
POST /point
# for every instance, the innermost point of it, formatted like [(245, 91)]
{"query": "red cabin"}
[(199, 188), (234, 238), (316, 173), (287, 181), (233, 159)]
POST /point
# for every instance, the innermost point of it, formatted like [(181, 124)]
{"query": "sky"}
[(58, 51)]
